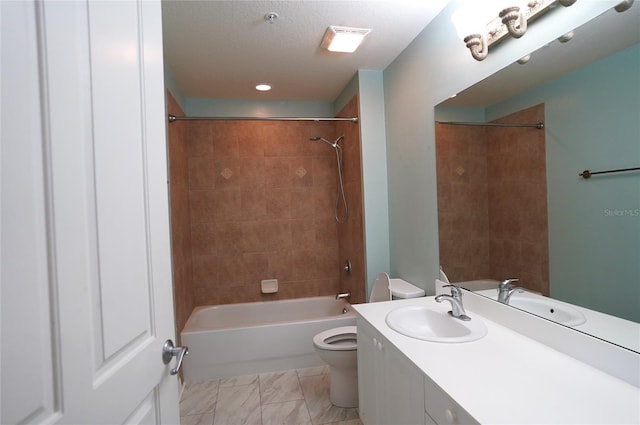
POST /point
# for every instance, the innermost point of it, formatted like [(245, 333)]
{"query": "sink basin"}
[(548, 309), (422, 322)]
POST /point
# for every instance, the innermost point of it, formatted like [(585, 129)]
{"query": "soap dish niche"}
[(269, 286)]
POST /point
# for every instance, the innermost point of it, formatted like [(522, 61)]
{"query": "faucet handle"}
[(506, 283), (455, 290)]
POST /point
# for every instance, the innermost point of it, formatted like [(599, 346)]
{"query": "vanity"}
[(525, 369)]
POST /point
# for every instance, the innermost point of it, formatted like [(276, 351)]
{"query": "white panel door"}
[(86, 270)]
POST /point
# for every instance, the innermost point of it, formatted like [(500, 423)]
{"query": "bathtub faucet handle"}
[(343, 295)]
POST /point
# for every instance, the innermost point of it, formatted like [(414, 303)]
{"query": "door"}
[(86, 270)]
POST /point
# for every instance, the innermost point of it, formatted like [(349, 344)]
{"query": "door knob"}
[(169, 350)]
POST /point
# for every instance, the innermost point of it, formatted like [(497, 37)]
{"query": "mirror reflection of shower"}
[(340, 190)]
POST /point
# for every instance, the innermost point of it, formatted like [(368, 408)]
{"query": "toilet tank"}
[(401, 289)]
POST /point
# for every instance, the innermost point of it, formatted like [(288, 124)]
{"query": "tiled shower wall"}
[(517, 172), (492, 201), (261, 201), (463, 212), (180, 221)]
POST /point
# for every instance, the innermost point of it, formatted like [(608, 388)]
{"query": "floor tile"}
[(293, 397), (349, 422), (238, 405), (199, 398), (312, 371), (280, 386), (204, 419), (239, 380), (286, 413), (316, 395)]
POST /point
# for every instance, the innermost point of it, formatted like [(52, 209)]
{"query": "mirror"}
[(576, 240)]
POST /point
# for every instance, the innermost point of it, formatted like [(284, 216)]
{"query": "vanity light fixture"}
[(511, 20), (515, 20), (477, 44), (343, 39), (565, 38), (623, 5)]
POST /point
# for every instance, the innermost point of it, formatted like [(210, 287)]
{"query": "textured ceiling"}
[(222, 49)]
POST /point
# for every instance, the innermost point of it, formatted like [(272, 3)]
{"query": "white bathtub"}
[(239, 339)]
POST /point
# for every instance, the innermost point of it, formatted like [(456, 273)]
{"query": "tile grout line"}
[(260, 398), (304, 397), (213, 418)]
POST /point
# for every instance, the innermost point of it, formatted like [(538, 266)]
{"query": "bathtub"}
[(247, 338)]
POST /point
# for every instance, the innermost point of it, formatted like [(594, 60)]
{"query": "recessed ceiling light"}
[(263, 87), (343, 39)]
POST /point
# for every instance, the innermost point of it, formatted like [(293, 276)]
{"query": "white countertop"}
[(614, 329), (506, 377)]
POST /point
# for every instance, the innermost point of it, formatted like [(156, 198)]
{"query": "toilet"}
[(338, 346)]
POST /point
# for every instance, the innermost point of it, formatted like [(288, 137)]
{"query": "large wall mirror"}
[(511, 201)]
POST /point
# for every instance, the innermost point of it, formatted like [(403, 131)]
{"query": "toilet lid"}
[(337, 339), (381, 291)]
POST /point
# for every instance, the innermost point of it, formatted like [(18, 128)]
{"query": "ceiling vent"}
[(343, 39)]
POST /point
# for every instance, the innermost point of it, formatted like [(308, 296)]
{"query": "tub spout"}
[(343, 295)]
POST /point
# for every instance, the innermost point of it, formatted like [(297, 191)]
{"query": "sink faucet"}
[(457, 310), (506, 289), (343, 295)]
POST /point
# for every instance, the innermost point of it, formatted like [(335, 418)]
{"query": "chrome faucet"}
[(506, 289), (457, 310), (343, 295)]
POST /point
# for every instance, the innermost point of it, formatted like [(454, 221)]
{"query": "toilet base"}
[(343, 390)]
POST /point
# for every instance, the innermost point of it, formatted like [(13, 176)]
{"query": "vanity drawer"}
[(441, 408)]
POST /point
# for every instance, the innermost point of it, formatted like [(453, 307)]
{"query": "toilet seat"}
[(337, 339)]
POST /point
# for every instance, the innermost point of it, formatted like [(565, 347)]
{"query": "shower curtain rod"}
[(539, 125), (173, 118)]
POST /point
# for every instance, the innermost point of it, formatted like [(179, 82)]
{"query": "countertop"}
[(506, 377), (614, 329)]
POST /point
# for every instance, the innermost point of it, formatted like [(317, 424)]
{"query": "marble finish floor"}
[(292, 397)]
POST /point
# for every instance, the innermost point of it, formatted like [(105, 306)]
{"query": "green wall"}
[(374, 174), (435, 66), (592, 122)]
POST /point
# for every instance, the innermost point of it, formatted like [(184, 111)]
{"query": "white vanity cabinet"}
[(391, 388), (440, 408), (404, 380)]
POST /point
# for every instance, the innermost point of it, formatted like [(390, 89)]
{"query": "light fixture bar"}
[(497, 30), (510, 21), (343, 39)]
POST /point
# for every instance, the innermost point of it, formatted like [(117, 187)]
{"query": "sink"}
[(548, 309), (422, 322)]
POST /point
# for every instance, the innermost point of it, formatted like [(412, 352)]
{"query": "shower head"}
[(322, 139)]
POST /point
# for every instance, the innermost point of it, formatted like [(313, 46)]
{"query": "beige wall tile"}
[(180, 215), (257, 202), (492, 211)]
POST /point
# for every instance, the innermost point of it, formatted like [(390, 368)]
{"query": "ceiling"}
[(222, 49)]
